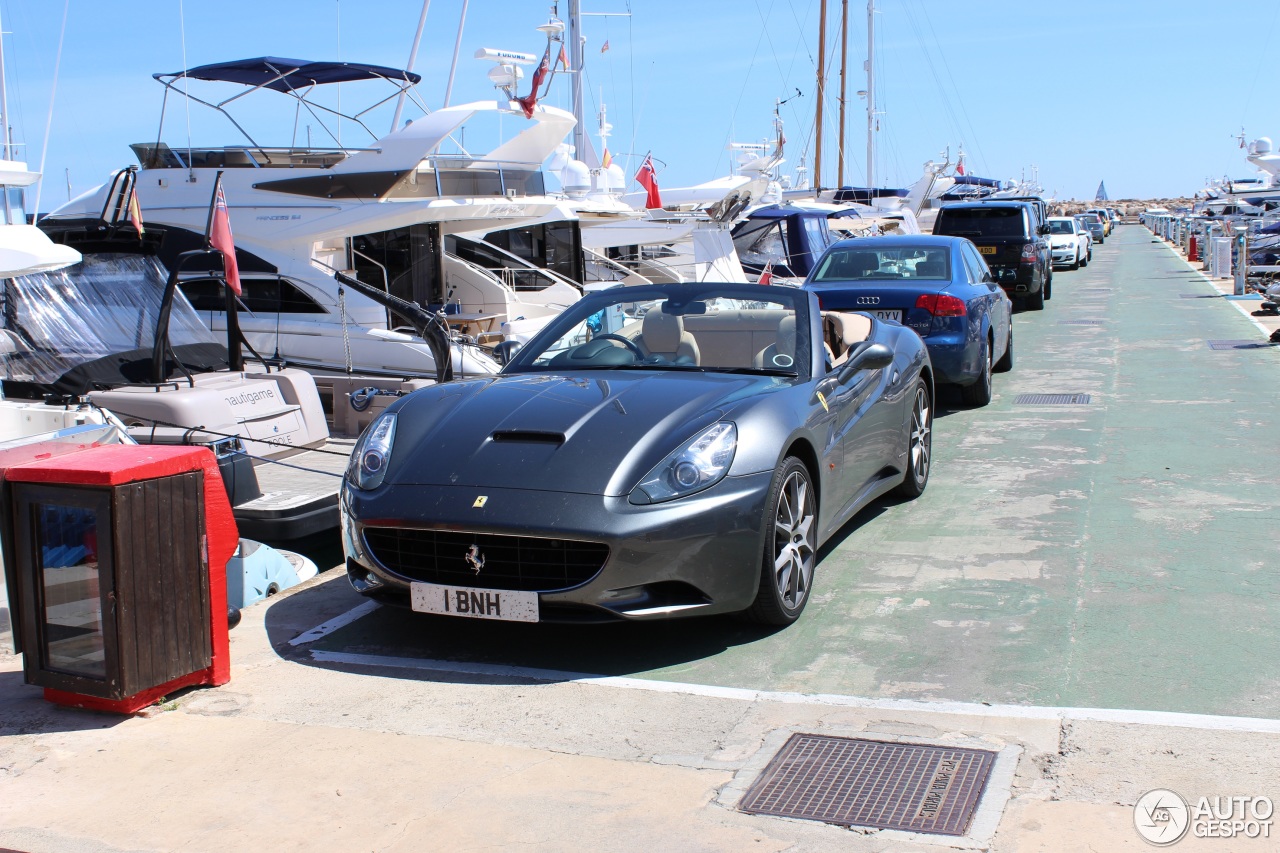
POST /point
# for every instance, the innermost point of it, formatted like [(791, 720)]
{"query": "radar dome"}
[(575, 177), (1262, 145)]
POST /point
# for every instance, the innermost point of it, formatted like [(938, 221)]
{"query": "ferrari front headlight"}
[(372, 453), (700, 463)]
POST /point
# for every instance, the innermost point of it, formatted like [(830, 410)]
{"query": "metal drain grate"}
[(1081, 322), (1051, 400), (1239, 345), (872, 783)]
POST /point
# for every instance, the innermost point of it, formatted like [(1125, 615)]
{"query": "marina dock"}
[(1087, 589)]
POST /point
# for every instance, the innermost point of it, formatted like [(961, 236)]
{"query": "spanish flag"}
[(608, 159)]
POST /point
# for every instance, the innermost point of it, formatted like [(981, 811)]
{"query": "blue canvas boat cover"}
[(286, 75)]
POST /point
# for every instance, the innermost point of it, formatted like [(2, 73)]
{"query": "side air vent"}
[(528, 436)]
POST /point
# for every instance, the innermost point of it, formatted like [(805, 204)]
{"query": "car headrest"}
[(931, 269), (661, 332), (787, 335)]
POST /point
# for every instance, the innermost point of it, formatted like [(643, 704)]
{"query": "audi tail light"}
[(942, 304)]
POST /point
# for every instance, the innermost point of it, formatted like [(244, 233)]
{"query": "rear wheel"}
[(919, 443), (1005, 364), (1035, 301), (791, 546), (979, 393)]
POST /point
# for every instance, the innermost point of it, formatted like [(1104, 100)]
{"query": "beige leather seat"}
[(663, 335), (784, 346), (842, 331)]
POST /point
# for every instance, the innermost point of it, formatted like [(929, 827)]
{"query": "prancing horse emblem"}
[(475, 559)]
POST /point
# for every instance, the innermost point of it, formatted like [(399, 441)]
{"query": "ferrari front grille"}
[(486, 560)]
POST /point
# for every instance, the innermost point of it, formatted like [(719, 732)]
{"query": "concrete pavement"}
[(394, 733)]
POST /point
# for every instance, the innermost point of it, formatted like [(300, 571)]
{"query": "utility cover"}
[(878, 784), (1051, 400)]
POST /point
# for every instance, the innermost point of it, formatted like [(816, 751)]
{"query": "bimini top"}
[(288, 75)]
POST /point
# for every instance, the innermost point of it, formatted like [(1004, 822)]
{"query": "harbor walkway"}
[(1087, 588)]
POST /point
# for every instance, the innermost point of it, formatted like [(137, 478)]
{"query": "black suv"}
[(1011, 236)]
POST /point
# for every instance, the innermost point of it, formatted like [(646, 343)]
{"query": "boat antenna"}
[(457, 46), (413, 57), (186, 98), (4, 106), (48, 125)]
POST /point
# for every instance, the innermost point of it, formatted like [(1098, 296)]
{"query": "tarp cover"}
[(105, 305), (298, 73)]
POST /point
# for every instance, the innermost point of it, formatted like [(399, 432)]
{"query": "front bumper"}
[(693, 556), (1065, 255)]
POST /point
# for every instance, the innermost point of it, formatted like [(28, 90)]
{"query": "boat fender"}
[(233, 617)]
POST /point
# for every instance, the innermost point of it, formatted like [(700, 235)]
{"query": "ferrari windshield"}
[(687, 327)]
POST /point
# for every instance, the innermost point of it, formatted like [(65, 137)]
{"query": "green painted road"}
[(1120, 554)]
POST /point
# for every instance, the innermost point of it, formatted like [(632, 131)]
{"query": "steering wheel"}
[(626, 342)]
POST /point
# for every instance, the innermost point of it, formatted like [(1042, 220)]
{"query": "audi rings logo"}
[(1161, 817), (475, 559), (868, 300)]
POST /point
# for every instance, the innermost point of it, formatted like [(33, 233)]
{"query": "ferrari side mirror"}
[(873, 357)]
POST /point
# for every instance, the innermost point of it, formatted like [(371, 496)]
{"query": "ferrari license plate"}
[(508, 605), (987, 250), (896, 316)]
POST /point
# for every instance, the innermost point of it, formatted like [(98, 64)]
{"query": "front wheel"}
[(919, 443), (791, 546)]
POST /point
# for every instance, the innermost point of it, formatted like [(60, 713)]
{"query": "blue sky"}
[(1139, 93)]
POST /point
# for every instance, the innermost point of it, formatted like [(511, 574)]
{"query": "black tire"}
[(1048, 289), (1005, 364), (919, 443), (978, 394), (791, 535), (1084, 262), (1035, 301), (1074, 266)]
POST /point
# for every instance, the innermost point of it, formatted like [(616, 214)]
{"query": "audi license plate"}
[(509, 605), (896, 316), (987, 250)]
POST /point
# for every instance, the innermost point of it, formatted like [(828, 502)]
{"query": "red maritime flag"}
[(604, 48), (960, 168), (646, 178), (135, 213), (529, 101), (766, 277), (220, 239)]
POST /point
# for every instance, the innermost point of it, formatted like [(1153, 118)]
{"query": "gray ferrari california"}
[(656, 451)]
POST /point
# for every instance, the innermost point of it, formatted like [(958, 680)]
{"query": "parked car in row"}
[(1012, 240), (938, 286), (1070, 242), (1105, 216), (1094, 223)]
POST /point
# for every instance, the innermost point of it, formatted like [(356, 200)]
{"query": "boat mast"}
[(822, 85), (457, 46), (871, 93), (580, 143), (844, 61)]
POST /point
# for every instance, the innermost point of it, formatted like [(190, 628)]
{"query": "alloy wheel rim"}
[(921, 436), (793, 534)]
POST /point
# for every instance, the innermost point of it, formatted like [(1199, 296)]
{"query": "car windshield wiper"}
[(762, 371)]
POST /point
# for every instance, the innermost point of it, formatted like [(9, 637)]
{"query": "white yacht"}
[(329, 238)]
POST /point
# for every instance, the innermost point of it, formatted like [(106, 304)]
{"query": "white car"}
[(1069, 242)]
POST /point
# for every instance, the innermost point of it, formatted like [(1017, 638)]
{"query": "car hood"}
[(587, 433)]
